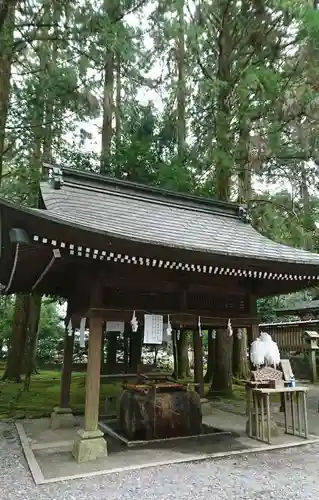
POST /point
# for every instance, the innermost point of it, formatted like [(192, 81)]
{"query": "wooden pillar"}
[(92, 391), (198, 362), (175, 355), (253, 329), (136, 343), (103, 348), (240, 361), (182, 354), (313, 365), (222, 381), (126, 339), (89, 443), (211, 355), (62, 416), (66, 376), (111, 352), (252, 334)]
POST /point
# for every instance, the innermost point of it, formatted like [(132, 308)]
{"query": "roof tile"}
[(119, 214)]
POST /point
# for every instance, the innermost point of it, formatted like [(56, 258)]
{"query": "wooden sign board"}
[(115, 326), (286, 369), (153, 329)]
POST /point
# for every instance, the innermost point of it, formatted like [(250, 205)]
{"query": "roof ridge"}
[(154, 200), (103, 180)]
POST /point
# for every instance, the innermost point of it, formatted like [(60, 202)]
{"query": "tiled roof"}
[(120, 211), (300, 306)]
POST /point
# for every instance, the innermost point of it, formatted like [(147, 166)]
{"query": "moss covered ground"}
[(44, 391)]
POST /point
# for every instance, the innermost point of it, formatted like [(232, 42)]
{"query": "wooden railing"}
[(290, 336)]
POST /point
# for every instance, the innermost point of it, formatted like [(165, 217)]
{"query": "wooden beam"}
[(130, 276), (177, 318)]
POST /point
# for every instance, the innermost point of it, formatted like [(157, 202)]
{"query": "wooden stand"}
[(259, 407)]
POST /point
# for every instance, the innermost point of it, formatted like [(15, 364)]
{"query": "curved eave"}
[(57, 231), (68, 229)]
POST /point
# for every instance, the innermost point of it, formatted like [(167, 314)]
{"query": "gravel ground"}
[(289, 474)]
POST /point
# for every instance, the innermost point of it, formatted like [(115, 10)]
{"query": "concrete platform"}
[(48, 452)]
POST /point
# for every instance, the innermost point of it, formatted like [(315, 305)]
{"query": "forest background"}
[(214, 98)]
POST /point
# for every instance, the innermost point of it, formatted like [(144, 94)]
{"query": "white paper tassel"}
[(178, 334), (257, 356), (273, 355), (82, 331), (200, 327), (229, 328), (169, 327), (271, 351), (70, 328), (134, 322), (239, 333), (264, 351), (214, 334)]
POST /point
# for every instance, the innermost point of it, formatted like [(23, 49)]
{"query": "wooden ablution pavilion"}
[(112, 247)]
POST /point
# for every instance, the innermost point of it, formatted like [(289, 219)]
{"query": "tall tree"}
[(7, 16), (181, 84), (17, 341)]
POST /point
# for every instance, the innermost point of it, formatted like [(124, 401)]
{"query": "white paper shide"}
[(264, 351)]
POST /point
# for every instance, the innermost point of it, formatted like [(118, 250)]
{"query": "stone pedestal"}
[(62, 418), (274, 432), (89, 445)]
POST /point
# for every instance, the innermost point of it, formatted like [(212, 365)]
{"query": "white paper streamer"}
[(229, 328), (82, 332), (169, 327), (70, 328), (239, 333), (134, 322), (214, 334), (200, 327)]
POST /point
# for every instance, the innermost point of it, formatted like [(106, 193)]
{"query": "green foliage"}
[(259, 82), (250, 109), (6, 317), (51, 328), (283, 219), (44, 394), (51, 331), (267, 306)]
